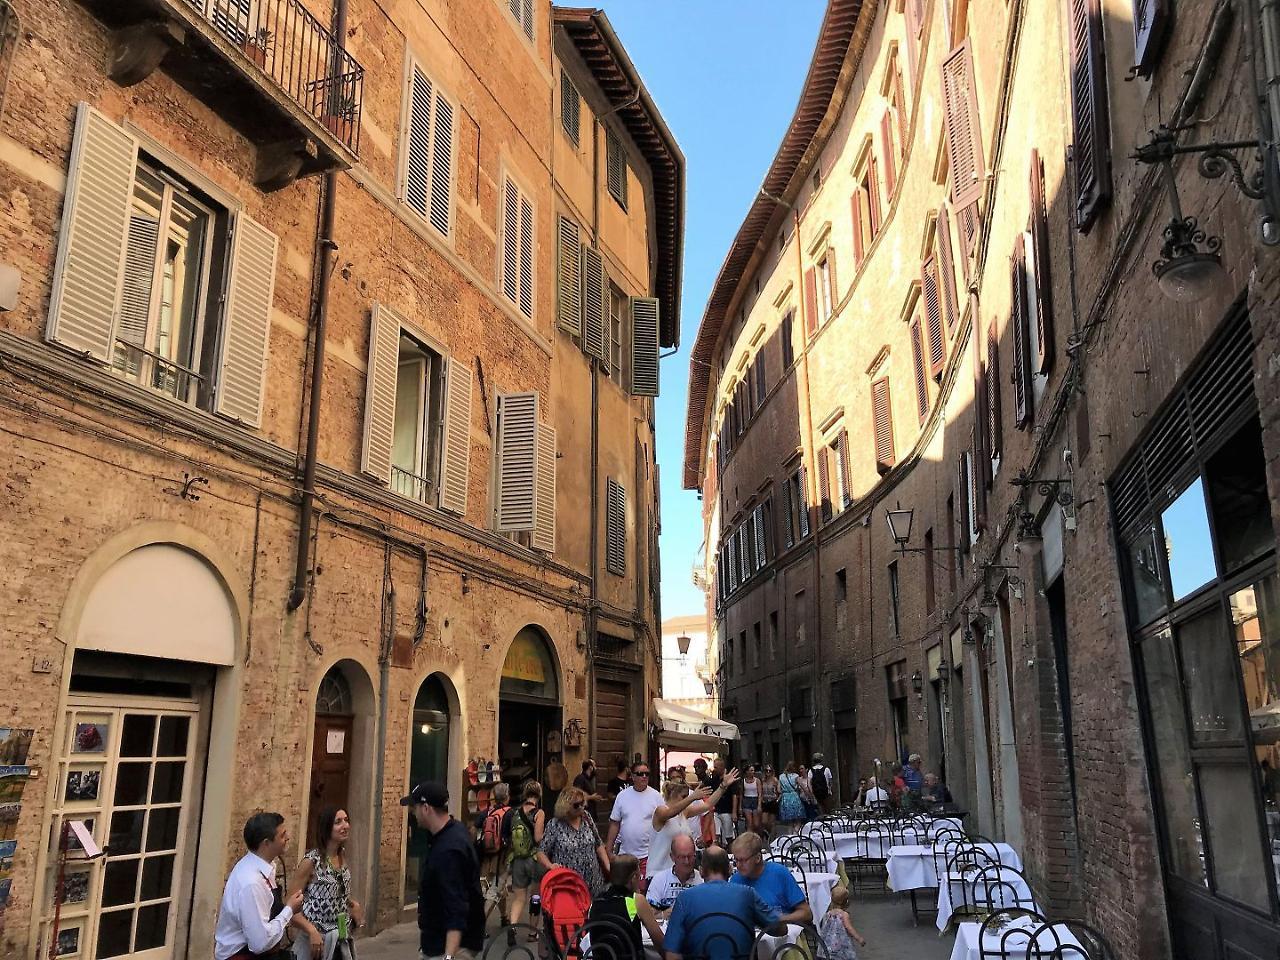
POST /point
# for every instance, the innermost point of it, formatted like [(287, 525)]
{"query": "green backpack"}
[(522, 842)]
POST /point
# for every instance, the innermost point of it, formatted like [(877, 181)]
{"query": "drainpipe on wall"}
[(328, 247)]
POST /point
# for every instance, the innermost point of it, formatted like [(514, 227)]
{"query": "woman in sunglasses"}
[(770, 794), (571, 840)]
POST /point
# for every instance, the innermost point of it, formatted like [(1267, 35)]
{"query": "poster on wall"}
[(75, 887), (90, 738), (12, 781), (68, 942), (14, 746), (82, 786)]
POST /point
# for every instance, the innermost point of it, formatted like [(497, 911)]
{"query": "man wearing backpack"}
[(525, 825), (490, 841), (820, 782)]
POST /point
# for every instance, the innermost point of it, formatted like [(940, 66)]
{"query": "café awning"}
[(687, 729)]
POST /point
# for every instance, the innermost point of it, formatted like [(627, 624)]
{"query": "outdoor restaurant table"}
[(1015, 948), (1015, 894), (817, 890), (911, 866)]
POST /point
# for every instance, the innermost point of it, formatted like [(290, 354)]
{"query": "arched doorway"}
[(133, 746), (529, 718), (430, 736), (341, 759)]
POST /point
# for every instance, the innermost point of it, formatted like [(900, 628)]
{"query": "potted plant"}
[(256, 46), (339, 110)]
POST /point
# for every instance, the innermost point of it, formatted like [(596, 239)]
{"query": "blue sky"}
[(726, 75)]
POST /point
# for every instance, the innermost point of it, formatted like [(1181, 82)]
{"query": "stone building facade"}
[(942, 303), (236, 582)]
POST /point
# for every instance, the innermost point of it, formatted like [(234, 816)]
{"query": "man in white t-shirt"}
[(877, 796), (668, 884), (631, 822)]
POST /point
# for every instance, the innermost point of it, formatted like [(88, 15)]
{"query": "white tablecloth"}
[(911, 866), (817, 891), (1009, 891), (966, 947), (767, 946)]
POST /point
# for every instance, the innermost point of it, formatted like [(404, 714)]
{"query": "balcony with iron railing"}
[(269, 67), (410, 485)]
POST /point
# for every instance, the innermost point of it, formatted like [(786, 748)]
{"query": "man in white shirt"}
[(631, 822), (668, 884), (877, 796), (253, 919)]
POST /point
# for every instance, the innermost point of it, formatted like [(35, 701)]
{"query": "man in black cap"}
[(450, 903)]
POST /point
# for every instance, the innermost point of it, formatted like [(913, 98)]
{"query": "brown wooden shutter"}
[(981, 463), (810, 302), (914, 12), (963, 130), (831, 279), (803, 484), (1091, 151), (873, 191), (962, 499), (890, 157), (922, 379), (995, 428), (882, 423), (855, 212), (946, 267), (1018, 321), (933, 316), (978, 482), (1039, 230), (842, 451), (1151, 19)]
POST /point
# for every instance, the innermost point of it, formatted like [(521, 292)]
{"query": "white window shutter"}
[(246, 322), (139, 279), (544, 529), (517, 461), (644, 346), (526, 257), (416, 177), (455, 450), (569, 278), (441, 165), (380, 393), (616, 527), (89, 270), (594, 303)]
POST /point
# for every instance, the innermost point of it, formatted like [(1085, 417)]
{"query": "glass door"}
[(124, 774)]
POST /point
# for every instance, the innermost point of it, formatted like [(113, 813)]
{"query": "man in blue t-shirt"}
[(699, 926), (773, 881)]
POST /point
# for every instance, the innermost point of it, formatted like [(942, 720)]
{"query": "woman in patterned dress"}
[(572, 840), (329, 913)]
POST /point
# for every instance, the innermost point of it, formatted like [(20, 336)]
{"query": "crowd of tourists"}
[(673, 855)]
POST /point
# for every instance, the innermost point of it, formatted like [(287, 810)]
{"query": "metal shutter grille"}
[(526, 18), (569, 280), (246, 322), (961, 127), (1091, 151), (1018, 321), (1224, 385), (517, 461), (544, 529), (644, 346), (380, 393), (842, 451), (882, 422), (455, 451), (570, 107), (594, 299), (946, 267), (441, 164), (933, 315), (417, 163), (921, 377), (616, 528), (1168, 449), (824, 481), (95, 227), (761, 552)]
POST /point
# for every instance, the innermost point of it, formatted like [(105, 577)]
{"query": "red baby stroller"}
[(565, 903)]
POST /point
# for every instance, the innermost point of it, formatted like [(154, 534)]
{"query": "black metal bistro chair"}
[(1008, 934)]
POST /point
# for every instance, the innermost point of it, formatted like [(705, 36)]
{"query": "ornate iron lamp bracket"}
[(1059, 489)]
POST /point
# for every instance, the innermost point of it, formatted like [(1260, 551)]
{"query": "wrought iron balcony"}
[(270, 67)]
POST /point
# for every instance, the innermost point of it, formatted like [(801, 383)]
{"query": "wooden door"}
[(330, 767)]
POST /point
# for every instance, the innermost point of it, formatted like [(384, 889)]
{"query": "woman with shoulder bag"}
[(770, 794), (329, 914)]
